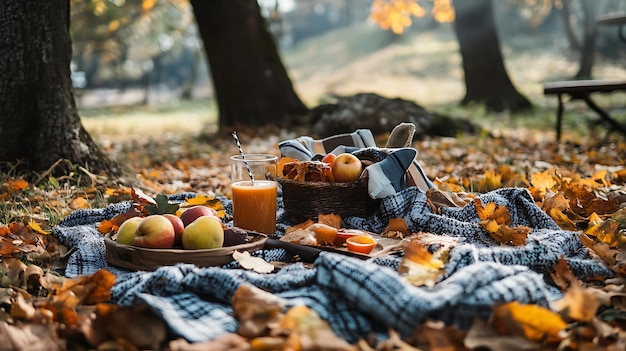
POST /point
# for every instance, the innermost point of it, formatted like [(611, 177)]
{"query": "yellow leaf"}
[(537, 323), (562, 220), (491, 181), (543, 181), (420, 267), (35, 227)]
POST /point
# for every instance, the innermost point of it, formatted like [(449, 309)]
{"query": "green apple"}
[(126, 231), (206, 232), (155, 232)]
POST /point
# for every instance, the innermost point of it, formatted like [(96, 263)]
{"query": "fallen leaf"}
[(256, 310), (418, 266), (537, 323), (257, 264), (37, 228), (396, 228)]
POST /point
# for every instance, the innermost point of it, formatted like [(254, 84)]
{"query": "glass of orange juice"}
[(254, 199)]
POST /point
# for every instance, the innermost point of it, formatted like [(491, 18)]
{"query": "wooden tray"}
[(384, 246), (142, 259)]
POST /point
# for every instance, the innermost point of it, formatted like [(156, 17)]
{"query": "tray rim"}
[(220, 256)]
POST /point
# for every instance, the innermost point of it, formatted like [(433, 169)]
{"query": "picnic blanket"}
[(356, 297)]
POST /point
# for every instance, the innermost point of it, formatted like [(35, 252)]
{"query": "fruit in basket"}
[(155, 232), (206, 232), (126, 231), (235, 236), (193, 212), (346, 168), (179, 226), (329, 158)]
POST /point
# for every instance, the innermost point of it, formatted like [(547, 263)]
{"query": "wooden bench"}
[(581, 90)]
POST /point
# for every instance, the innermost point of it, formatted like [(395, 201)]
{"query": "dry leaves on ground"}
[(583, 187)]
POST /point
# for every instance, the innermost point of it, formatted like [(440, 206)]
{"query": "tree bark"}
[(566, 15), (486, 79), (250, 80), (39, 121), (587, 55)]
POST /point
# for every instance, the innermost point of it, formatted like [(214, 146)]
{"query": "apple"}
[(155, 232), (329, 158), (346, 168), (206, 232), (196, 211), (126, 231), (178, 227)]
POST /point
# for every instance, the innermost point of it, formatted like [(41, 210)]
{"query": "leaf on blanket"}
[(257, 264), (438, 198), (504, 234), (256, 310), (113, 224), (396, 228), (420, 267), (534, 322), (495, 221)]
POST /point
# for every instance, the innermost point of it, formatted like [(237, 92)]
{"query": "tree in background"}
[(486, 79), (250, 80), (39, 122)]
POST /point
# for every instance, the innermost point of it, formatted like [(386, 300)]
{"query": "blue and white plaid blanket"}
[(356, 297)]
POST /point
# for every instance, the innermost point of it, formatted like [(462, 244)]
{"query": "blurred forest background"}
[(133, 63)]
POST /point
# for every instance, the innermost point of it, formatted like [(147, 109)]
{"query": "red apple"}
[(206, 232), (155, 232), (346, 168), (193, 212), (178, 227), (329, 158), (126, 231)]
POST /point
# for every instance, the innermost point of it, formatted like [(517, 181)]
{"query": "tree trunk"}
[(39, 122), (250, 81), (566, 15), (587, 55), (486, 79)]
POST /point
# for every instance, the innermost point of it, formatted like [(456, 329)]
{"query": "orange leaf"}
[(536, 322), (396, 228), (79, 202), (498, 213), (491, 181), (504, 234), (419, 266), (16, 185)]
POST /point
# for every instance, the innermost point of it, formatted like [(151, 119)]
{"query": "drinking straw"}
[(243, 156)]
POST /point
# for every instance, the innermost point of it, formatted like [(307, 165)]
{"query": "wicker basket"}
[(306, 200)]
